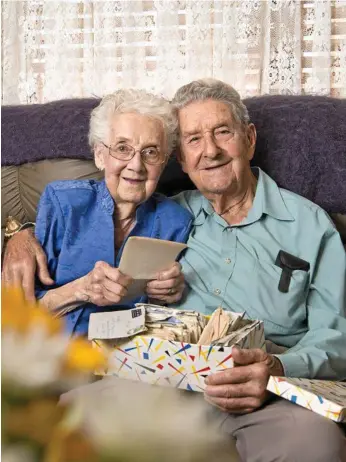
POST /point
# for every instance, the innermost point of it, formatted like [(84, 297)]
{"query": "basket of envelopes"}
[(165, 346)]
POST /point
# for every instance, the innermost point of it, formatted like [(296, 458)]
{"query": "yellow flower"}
[(81, 356), (35, 341), (20, 314)]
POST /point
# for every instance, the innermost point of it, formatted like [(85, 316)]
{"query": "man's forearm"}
[(317, 361)]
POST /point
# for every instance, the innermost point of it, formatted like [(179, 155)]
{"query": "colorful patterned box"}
[(324, 397), (163, 362)]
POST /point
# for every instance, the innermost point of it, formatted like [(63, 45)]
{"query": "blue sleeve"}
[(50, 229), (184, 233)]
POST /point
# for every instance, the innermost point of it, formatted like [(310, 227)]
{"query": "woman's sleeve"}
[(50, 230), (185, 232)]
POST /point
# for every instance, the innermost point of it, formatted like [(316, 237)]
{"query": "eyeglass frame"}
[(134, 153)]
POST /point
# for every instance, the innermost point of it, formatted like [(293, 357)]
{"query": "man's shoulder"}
[(306, 210), (190, 200)]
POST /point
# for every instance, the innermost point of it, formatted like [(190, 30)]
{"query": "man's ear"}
[(99, 153), (251, 136)]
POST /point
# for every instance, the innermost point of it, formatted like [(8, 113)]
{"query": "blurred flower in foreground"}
[(39, 362), (129, 422), (140, 422), (35, 351)]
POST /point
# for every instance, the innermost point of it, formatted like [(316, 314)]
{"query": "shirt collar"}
[(106, 199), (268, 200)]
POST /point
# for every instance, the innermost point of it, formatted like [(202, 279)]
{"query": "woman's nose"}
[(136, 163)]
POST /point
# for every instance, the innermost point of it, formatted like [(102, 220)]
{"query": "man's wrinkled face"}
[(215, 150)]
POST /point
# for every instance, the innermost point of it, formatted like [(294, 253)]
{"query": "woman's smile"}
[(133, 181)]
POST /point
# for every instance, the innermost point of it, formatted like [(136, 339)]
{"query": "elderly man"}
[(257, 248)]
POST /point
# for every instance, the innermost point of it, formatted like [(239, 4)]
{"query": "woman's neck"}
[(124, 211), (124, 219)]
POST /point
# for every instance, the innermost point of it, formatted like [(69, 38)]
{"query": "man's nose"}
[(211, 149), (136, 163)]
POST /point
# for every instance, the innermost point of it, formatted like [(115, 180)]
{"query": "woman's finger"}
[(114, 296), (172, 272), (161, 286), (113, 288), (114, 274)]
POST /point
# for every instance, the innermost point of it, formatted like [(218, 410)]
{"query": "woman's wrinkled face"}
[(132, 181)]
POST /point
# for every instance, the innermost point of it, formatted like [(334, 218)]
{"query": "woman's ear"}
[(99, 153)]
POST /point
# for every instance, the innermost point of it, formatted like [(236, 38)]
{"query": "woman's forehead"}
[(133, 125)]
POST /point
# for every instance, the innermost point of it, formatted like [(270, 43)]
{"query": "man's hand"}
[(23, 256), (168, 286), (104, 285), (242, 389)]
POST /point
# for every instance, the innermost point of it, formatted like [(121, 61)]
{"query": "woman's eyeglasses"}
[(125, 152)]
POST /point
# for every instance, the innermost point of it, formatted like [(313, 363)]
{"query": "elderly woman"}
[(84, 224)]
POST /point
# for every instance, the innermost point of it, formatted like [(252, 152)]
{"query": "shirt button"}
[(228, 260), (217, 291)]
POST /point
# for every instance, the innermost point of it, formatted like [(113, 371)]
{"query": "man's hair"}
[(204, 89), (127, 101)]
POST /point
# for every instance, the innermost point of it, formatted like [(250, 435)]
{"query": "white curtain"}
[(61, 49)]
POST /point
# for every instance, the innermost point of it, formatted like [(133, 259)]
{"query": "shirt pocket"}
[(286, 310)]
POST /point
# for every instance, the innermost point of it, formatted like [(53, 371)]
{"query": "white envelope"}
[(116, 324)]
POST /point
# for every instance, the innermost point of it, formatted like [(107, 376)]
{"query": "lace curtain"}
[(60, 49)]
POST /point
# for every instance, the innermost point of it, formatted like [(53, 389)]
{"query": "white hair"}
[(203, 89), (132, 100)]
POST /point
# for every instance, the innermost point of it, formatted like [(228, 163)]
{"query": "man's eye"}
[(193, 139), (225, 133)]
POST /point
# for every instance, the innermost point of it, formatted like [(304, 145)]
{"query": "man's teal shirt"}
[(234, 267)]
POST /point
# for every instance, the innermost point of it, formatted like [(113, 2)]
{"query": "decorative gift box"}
[(324, 397), (165, 362)]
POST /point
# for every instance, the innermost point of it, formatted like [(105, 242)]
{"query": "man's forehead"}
[(204, 114)]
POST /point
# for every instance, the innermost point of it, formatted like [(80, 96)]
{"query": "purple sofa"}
[(301, 144)]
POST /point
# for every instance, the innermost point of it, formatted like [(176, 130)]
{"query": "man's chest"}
[(236, 268)]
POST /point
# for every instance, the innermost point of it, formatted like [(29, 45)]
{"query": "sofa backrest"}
[(301, 144)]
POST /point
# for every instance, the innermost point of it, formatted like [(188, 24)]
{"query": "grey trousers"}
[(284, 432), (280, 431)]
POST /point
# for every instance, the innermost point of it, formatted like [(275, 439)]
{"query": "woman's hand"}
[(168, 286), (104, 285)]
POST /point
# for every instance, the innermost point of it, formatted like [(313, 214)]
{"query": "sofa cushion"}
[(53, 130), (340, 223), (21, 186), (302, 145)]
